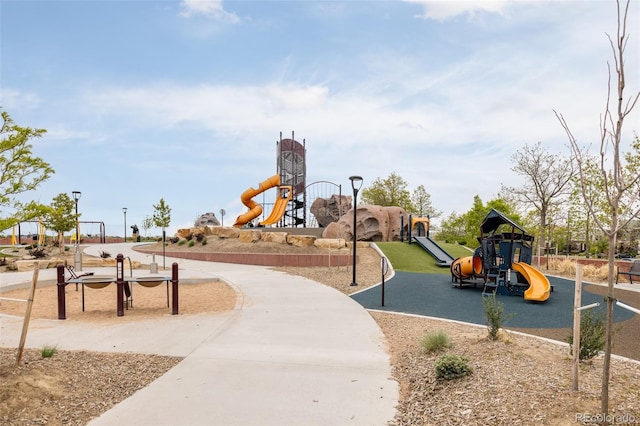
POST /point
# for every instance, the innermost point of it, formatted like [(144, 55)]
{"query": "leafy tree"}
[(391, 191), (162, 219), (162, 215), (60, 216), (421, 201), (20, 172), (452, 229), (548, 178), (619, 174), (467, 226)]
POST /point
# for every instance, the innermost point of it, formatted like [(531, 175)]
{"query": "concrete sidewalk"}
[(293, 352)]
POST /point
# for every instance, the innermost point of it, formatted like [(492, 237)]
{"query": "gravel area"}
[(517, 379)]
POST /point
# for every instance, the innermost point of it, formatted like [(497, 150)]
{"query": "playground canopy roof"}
[(494, 219)]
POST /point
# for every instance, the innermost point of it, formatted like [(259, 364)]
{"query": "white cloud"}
[(14, 99), (208, 8), (444, 9)]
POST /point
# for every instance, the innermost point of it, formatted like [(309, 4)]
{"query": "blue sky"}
[(185, 100)]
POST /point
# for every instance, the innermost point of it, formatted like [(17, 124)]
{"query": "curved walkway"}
[(293, 352)]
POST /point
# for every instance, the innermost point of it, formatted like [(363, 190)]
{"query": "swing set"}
[(37, 237), (40, 235)]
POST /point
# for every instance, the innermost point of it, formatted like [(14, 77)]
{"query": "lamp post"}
[(356, 184), (124, 210), (77, 257)]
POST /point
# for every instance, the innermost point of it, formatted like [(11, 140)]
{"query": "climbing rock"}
[(374, 223)]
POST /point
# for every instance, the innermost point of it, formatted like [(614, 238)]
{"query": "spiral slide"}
[(255, 209), (539, 286)]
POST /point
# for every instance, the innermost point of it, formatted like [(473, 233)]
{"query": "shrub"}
[(451, 366), (204, 242), (592, 335), (192, 243), (436, 342), (48, 351), (38, 252), (182, 242), (494, 312)]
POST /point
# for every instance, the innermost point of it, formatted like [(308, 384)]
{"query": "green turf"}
[(413, 258)]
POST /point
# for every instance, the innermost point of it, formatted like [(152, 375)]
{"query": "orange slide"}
[(255, 209), (539, 286)]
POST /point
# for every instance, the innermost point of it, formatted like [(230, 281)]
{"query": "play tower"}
[(290, 181), (292, 168)]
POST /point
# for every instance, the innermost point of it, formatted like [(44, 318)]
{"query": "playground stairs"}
[(490, 284)]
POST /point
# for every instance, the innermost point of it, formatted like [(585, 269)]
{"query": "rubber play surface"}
[(435, 295)]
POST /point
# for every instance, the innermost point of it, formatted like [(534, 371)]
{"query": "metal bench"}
[(634, 271)]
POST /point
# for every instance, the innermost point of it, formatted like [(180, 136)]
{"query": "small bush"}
[(451, 366), (48, 351), (592, 335), (436, 342), (192, 243), (182, 242), (38, 253), (204, 242), (494, 312)]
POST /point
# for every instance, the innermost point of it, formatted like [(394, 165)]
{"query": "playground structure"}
[(503, 261), (289, 207), (420, 226)]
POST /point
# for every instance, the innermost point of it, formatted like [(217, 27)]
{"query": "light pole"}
[(77, 257), (124, 210), (356, 184)]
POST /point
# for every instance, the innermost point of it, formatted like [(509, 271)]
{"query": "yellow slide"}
[(286, 192), (539, 286), (255, 209)]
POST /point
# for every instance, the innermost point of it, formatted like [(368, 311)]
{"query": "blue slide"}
[(442, 257)]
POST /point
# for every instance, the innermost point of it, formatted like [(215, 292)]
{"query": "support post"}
[(120, 284), (577, 301), (174, 288), (62, 302), (27, 314)]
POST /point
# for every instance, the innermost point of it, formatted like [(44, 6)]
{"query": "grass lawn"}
[(413, 258)]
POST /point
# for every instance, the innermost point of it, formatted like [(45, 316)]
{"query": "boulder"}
[(301, 240), (249, 236), (183, 232), (373, 223), (330, 243), (327, 210), (274, 237), (226, 232), (207, 219)]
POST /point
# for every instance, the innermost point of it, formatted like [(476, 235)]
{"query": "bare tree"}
[(548, 177), (618, 173)]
